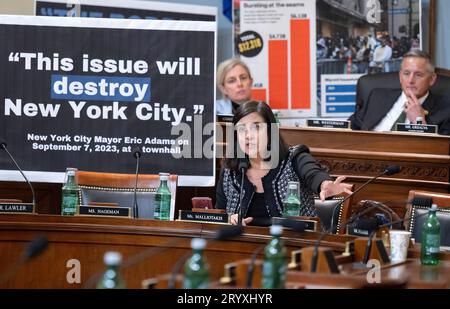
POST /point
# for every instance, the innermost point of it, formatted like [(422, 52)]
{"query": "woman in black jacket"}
[(272, 164)]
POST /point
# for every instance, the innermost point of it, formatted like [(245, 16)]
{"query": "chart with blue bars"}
[(338, 95)]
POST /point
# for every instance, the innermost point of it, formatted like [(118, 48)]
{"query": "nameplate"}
[(102, 211), (187, 215), (16, 208), (416, 128), (225, 118), (310, 225), (329, 124)]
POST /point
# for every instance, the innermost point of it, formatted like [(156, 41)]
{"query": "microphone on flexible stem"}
[(3, 146), (243, 167), (295, 225), (222, 234), (34, 248), (418, 201), (137, 154), (391, 170)]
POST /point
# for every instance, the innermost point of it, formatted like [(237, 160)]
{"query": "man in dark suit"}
[(386, 107)]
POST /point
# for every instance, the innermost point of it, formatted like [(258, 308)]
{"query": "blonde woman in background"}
[(235, 82)]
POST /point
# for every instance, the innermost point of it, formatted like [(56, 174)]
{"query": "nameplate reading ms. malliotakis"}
[(103, 211), (210, 217), (416, 128), (16, 208), (328, 124)]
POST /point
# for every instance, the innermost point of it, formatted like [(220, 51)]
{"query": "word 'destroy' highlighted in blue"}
[(100, 88)]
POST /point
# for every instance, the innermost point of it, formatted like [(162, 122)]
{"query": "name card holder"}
[(204, 215), (416, 128), (328, 124), (104, 211), (17, 208), (311, 224)]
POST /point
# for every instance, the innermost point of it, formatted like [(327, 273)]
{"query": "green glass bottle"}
[(431, 238), (162, 198), (291, 204), (274, 265), (111, 278), (196, 268), (70, 202)]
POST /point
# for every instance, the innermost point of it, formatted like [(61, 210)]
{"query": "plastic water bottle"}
[(162, 198), (70, 202), (431, 238), (196, 269), (291, 204), (274, 265), (111, 278)]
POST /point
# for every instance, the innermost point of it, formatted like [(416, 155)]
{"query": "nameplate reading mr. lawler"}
[(203, 216), (104, 211), (16, 208)]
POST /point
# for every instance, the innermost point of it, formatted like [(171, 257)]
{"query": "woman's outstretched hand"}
[(245, 221), (330, 188)]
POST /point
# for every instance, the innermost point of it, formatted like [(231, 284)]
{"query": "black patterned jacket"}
[(299, 166)]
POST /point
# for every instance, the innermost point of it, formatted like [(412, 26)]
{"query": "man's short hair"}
[(417, 53)]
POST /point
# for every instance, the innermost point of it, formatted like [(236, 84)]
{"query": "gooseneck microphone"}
[(295, 225), (243, 167), (137, 153), (391, 170), (3, 146), (222, 234), (418, 200), (32, 250)]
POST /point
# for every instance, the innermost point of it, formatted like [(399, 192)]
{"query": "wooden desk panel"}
[(424, 160), (86, 239)]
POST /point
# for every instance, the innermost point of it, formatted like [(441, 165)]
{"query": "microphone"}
[(32, 250), (295, 225), (423, 201), (391, 170), (418, 201), (3, 146), (137, 154), (243, 167), (222, 234)]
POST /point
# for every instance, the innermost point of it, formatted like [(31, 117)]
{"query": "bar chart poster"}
[(276, 39), (338, 94)]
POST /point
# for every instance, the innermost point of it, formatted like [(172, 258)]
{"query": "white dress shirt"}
[(388, 121)]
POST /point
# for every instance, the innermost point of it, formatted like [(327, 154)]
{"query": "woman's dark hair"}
[(266, 113)]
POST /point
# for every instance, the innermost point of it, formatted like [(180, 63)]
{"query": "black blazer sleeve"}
[(221, 201), (308, 170), (439, 108)]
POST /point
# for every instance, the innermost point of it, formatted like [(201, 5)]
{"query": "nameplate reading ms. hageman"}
[(329, 124), (16, 208), (187, 215), (416, 128), (104, 211)]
